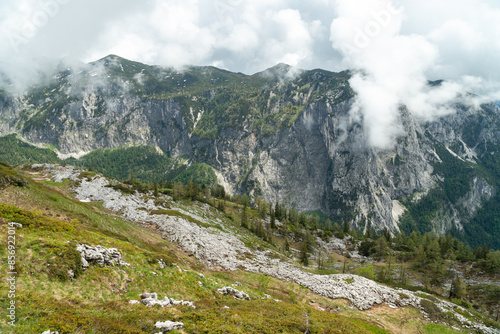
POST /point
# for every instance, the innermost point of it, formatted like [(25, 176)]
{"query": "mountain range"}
[(284, 135)]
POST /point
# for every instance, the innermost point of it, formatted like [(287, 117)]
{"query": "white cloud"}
[(254, 34), (429, 39), (394, 64)]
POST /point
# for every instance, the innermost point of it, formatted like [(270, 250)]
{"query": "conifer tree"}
[(155, 189), (347, 228), (273, 218), (244, 218), (457, 289), (304, 254)]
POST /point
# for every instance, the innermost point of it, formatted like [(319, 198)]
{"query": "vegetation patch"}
[(175, 213), (435, 314), (121, 188), (34, 219)]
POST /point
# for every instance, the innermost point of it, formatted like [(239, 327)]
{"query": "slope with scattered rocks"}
[(205, 236)]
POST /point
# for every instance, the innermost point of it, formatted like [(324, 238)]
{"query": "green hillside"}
[(97, 300)]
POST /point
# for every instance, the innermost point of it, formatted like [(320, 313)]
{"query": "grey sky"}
[(243, 36)]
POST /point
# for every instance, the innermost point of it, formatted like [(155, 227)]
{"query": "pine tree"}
[(328, 224), (314, 222), (304, 254), (481, 253), (178, 191), (369, 232), (433, 251), (320, 259), (273, 218), (244, 218), (403, 278), (277, 210), (381, 247), (294, 217), (287, 245), (245, 200), (347, 228), (419, 255), (387, 234), (155, 189), (457, 289)]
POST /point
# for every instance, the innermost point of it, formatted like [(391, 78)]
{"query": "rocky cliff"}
[(282, 134)]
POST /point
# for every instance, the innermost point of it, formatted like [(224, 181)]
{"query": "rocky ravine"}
[(220, 247)]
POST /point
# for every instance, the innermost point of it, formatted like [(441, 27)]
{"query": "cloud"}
[(428, 39), (392, 68), (35, 34), (241, 36), (247, 35)]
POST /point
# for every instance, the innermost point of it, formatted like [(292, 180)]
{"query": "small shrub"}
[(348, 280), (367, 271), (264, 283), (153, 258), (66, 323), (87, 175), (121, 188), (403, 295), (63, 259)]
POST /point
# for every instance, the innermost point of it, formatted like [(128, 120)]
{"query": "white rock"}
[(100, 255), (167, 326), (151, 299), (235, 293)]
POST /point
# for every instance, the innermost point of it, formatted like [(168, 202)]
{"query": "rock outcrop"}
[(100, 256), (227, 290), (167, 326), (151, 299)]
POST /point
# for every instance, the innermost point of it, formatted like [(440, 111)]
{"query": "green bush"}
[(65, 258), (121, 188)]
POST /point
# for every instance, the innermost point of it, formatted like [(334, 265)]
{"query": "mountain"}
[(283, 134)]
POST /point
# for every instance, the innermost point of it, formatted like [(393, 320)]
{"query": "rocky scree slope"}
[(287, 138), (202, 232)]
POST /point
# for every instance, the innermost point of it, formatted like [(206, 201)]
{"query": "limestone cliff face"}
[(320, 161), (9, 112), (126, 121)]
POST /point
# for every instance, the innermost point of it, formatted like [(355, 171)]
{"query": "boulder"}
[(151, 299), (235, 293), (100, 255), (167, 326)]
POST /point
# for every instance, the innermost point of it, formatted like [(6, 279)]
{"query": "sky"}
[(394, 46)]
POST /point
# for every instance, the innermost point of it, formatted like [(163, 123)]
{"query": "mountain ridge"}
[(283, 137)]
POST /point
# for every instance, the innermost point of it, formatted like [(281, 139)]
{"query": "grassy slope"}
[(97, 301)]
